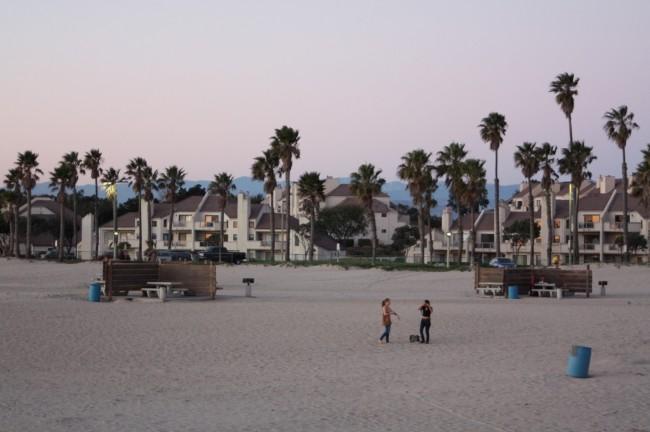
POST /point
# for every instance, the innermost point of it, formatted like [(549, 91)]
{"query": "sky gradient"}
[(203, 84)]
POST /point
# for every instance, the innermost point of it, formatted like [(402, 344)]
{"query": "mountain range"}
[(395, 189)]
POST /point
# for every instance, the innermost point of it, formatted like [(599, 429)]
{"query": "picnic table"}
[(163, 289), (492, 288), (544, 289)]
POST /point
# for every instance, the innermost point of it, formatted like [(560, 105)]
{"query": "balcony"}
[(589, 246), (182, 224), (484, 245), (176, 244), (208, 225), (618, 226), (589, 226)]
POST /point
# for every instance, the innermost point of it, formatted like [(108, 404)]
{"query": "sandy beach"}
[(303, 355)]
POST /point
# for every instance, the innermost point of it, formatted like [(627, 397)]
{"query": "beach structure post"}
[(603, 289), (558, 293), (579, 359), (248, 290), (94, 292)]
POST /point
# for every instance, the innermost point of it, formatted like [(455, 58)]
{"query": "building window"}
[(234, 237), (251, 236), (234, 224), (210, 220), (383, 215), (251, 224), (165, 236), (383, 231), (154, 223), (557, 223), (165, 223), (518, 204), (182, 237), (154, 236), (296, 240)]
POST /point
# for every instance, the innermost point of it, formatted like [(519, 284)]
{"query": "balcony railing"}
[(589, 246), (589, 226), (618, 226), (209, 225), (181, 224), (484, 245)]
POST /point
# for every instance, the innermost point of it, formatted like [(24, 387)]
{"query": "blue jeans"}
[(386, 333)]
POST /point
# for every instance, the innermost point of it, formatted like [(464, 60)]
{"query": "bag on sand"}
[(414, 338)]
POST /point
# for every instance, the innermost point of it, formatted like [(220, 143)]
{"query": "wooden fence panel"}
[(199, 279)]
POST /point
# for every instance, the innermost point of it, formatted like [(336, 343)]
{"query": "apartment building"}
[(600, 223)]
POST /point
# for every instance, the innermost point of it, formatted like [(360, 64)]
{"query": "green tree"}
[(110, 180), (28, 164), (60, 179), (93, 160), (222, 186), (171, 180), (135, 172), (565, 88), (618, 126), (366, 184), (342, 222), (264, 169), (492, 130), (519, 233), (429, 204), (76, 169), (404, 237), (150, 185), (474, 193), (311, 189), (451, 165), (641, 183), (575, 163), (547, 160), (415, 170), (528, 159), (13, 182), (285, 145)]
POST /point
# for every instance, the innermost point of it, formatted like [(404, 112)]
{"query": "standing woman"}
[(386, 312), (425, 322)]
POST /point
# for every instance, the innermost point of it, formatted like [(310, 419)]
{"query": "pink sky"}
[(203, 84)]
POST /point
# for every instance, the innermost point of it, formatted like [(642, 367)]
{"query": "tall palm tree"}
[(13, 183), (93, 162), (222, 186), (528, 159), (110, 179), (450, 164), (60, 179), (641, 184), (618, 126), (474, 194), (171, 180), (492, 129), (429, 204), (135, 171), (547, 160), (565, 88), (30, 174), (575, 163), (264, 169), (285, 144), (415, 169), (366, 184), (311, 190), (150, 186), (76, 169)]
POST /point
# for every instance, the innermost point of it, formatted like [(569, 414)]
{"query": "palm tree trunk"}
[(430, 236), (28, 235), (10, 245), (96, 219), (222, 223), (472, 234), (61, 229), (373, 228), (287, 182), (149, 224), (272, 226), (115, 236), (549, 225), (311, 232), (570, 130), (74, 220), (140, 226), (421, 228), (171, 227), (625, 210), (531, 214), (576, 245), (16, 230), (460, 228), (497, 224)]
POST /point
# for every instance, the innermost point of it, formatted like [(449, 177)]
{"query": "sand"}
[(303, 355)]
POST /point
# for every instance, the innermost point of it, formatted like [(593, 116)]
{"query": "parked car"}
[(501, 262), (53, 253), (214, 252), (174, 255)]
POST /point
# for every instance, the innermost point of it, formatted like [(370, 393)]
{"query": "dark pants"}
[(386, 334), (425, 325)]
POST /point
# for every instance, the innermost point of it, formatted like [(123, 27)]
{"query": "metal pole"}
[(448, 247)]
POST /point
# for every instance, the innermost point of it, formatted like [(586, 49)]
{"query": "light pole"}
[(448, 247)]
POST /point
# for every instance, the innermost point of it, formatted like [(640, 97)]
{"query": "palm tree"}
[(60, 179), (575, 162), (264, 169), (528, 159), (366, 184), (547, 159), (110, 179), (76, 168), (135, 172), (93, 162), (641, 183), (285, 145), (450, 163), (618, 127), (492, 129), (429, 204), (311, 190), (149, 188), (222, 186), (30, 174), (171, 180), (565, 87), (474, 194), (415, 169), (13, 183)]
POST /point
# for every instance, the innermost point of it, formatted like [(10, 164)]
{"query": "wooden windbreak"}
[(569, 280), (124, 276), (199, 279)]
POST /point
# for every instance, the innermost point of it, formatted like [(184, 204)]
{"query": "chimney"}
[(522, 186), (606, 184), (243, 212), (446, 219)]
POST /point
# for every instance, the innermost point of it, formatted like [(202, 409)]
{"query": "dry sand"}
[(303, 355)]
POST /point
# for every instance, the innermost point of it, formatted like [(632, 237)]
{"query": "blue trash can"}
[(94, 292), (513, 292), (579, 359)]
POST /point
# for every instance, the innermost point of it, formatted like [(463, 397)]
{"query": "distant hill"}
[(395, 189)]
